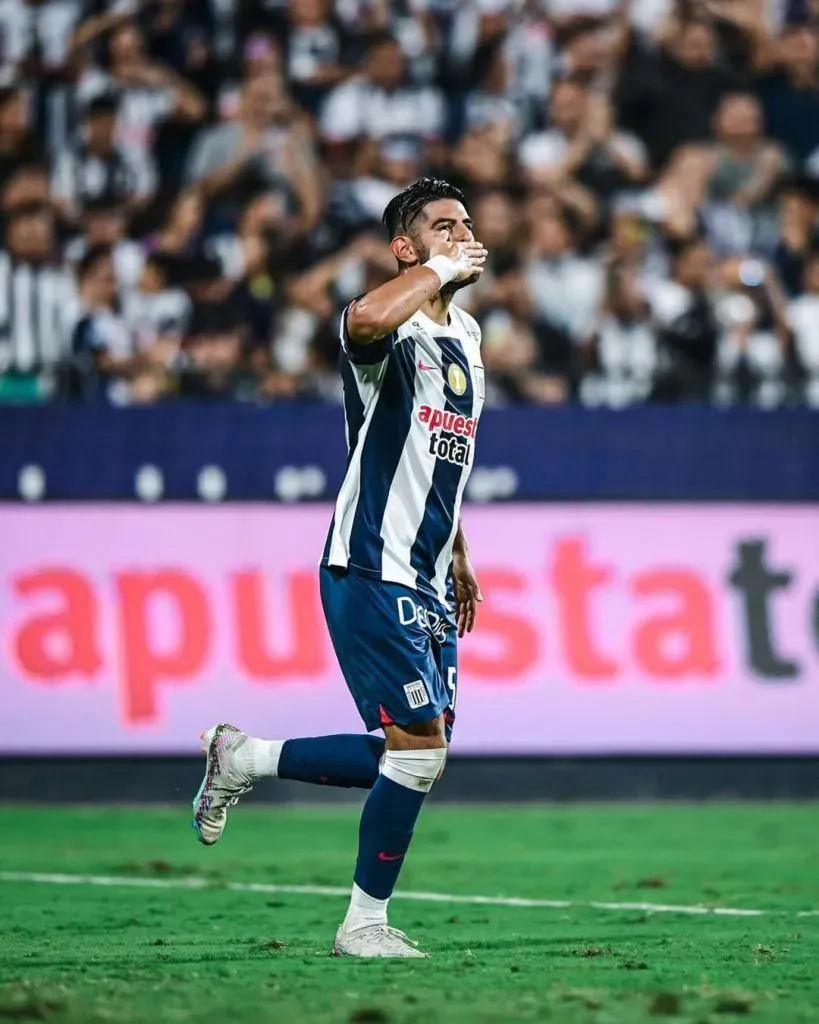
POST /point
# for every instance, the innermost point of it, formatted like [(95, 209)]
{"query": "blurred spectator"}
[(261, 148), (203, 279), (583, 144), (732, 181), (157, 310), (382, 100), (481, 160), (19, 145), (669, 95), (104, 221), (36, 36), (37, 294), (261, 57), (96, 164), (803, 319), (103, 354), (257, 257), (488, 101), (790, 93), (588, 51), (148, 92), (396, 165), (319, 296), (28, 183), (180, 35), (497, 224), (623, 351), (314, 49), (181, 232), (214, 367), (797, 238), (518, 370), (753, 354), (564, 287), (683, 308)]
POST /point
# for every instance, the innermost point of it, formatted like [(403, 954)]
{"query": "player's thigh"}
[(381, 638), (445, 655)]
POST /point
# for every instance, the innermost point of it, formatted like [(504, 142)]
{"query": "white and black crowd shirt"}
[(37, 303)]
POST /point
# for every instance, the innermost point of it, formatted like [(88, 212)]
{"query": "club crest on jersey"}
[(456, 378)]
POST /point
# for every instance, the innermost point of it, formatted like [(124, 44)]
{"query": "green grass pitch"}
[(87, 954)]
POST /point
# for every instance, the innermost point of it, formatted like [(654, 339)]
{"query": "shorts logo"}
[(457, 378), (417, 696), (410, 613)]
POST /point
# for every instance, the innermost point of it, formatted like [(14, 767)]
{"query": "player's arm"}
[(383, 310), (467, 589)]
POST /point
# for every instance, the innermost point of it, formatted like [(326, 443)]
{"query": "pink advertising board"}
[(606, 629)]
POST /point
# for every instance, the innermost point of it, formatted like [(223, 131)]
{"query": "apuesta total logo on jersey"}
[(450, 434)]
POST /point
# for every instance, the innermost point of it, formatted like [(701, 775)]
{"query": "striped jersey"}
[(37, 303), (411, 407)]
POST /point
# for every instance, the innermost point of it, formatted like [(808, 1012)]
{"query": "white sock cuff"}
[(414, 769), (364, 910), (265, 756)]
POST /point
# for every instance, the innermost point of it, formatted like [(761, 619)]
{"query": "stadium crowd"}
[(190, 191)]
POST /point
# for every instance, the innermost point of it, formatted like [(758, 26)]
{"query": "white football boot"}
[(228, 775), (375, 940)]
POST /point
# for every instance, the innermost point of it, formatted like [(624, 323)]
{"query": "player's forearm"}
[(383, 310), (460, 546)]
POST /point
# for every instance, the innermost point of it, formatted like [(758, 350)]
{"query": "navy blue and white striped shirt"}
[(411, 406)]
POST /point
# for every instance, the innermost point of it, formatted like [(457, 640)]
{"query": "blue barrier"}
[(296, 451)]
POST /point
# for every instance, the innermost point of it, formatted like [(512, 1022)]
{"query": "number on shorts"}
[(450, 682)]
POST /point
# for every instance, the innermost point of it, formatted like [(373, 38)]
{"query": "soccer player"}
[(397, 584)]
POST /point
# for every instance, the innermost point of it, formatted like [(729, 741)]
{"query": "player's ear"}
[(404, 251)]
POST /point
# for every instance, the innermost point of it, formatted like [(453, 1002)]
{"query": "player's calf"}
[(385, 833)]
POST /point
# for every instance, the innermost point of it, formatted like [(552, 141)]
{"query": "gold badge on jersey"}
[(457, 378)]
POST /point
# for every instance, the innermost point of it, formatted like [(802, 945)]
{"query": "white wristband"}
[(444, 267)]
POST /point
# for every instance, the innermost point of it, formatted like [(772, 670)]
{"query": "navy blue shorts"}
[(397, 649)]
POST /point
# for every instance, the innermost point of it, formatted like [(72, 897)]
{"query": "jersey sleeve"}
[(365, 355)]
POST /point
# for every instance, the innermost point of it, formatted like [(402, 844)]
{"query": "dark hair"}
[(8, 93), (168, 265), (483, 60), (104, 104), (405, 207), (199, 268), (210, 318), (380, 37), (91, 258), (31, 208), (578, 26), (106, 202), (29, 168), (680, 247)]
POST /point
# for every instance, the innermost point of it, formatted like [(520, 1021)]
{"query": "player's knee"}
[(416, 735), (415, 769)]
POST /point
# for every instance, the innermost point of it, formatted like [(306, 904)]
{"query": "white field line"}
[(121, 881)]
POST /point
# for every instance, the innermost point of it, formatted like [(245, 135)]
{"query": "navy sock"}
[(349, 761), (384, 835)]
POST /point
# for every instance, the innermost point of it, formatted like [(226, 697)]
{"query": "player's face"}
[(440, 223)]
